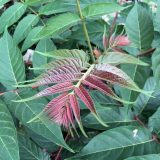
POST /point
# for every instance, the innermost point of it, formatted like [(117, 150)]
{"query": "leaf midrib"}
[(122, 147)]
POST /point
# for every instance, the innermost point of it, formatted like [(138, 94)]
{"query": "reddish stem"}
[(60, 150), (2, 93), (154, 136), (113, 23)]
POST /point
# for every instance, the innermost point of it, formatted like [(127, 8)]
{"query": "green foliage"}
[(90, 75), (8, 136), (11, 56), (139, 31)]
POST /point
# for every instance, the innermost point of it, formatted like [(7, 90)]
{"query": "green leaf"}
[(11, 15), (95, 32), (156, 65), (57, 7), (30, 39), (146, 157), (156, 18), (102, 99), (28, 110), (112, 116), (119, 143), (116, 58), (138, 74), (99, 9), (154, 122), (142, 100), (34, 2), (11, 62), (44, 45), (140, 30), (2, 2), (58, 24), (65, 53), (9, 149), (29, 150), (24, 27), (41, 141)]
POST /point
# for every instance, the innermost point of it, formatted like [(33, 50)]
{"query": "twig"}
[(33, 11), (150, 51), (154, 136), (60, 150), (85, 31)]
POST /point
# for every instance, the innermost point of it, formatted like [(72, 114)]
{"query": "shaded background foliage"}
[(43, 26)]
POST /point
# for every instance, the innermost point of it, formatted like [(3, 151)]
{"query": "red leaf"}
[(114, 75), (60, 111), (85, 97), (59, 99), (58, 88), (99, 85), (119, 41), (75, 106)]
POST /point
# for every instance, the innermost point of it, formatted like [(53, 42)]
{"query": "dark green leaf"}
[(28, 110), (139, 74), (146, 157), (119, 143), (29, 150), (142, 99), (112, 116), (48, 145), (156, 65), (154, 122)]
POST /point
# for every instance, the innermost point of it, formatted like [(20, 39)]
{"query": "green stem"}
[(85, 31), (33, 11)]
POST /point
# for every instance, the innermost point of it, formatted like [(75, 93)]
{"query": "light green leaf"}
[(11, 62), (28, 110), (65, 53), (156, 18), (57, 7), (34, 2), (11, 15), (58, 24), (116, 58), (119, 143), (112, 116), (30, 39), (145, 157), (44, 45), (99, 9), (24, 27), (9, 149), (140, 30), (29, 150)]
